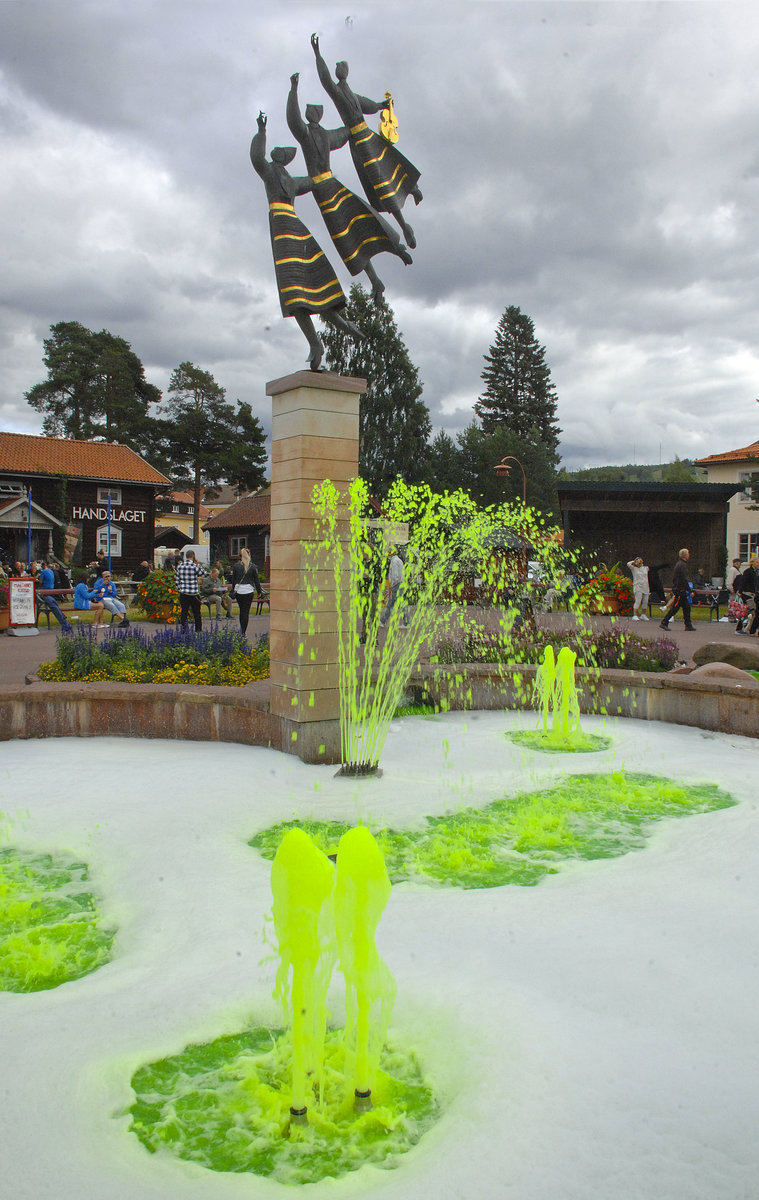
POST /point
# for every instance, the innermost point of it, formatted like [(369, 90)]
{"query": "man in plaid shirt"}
[(186, 576)]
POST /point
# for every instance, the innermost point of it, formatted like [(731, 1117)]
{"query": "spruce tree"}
[(518, 392), (394, 421)]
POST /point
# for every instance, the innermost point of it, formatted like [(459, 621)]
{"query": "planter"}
[(4, 618), (606, 604)]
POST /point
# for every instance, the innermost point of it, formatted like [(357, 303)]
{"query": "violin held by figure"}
[(388, 121)]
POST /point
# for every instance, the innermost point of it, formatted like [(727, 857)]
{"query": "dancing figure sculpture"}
[(357, 232), (386, 176), (306, 282)]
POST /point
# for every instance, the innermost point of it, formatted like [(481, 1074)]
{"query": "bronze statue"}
[(307, 284), (357, 232), (386, 176)]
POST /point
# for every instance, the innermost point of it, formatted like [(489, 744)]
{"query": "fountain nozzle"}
[(298, 1116), (362, 1101)]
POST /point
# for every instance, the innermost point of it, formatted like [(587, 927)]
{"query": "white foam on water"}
[(590, 1037)]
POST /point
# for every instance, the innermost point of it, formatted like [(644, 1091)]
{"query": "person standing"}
[(186, 576), (245, 582), (680, 592), (732, 572), (395, 579), (640, 588)]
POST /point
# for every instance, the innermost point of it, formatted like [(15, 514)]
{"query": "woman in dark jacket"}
[(245, 582)]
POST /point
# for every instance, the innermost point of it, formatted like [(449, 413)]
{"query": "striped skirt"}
[(386, 176), (356, 231), (305, 278)]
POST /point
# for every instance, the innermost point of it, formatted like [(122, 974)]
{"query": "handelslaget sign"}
[(135, 515)]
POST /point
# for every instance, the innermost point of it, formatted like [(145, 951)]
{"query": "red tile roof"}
[(28, 455), (250, 510), (182, 498), (747, 452)]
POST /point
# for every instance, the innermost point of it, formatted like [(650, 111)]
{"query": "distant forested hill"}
[(681, 470)]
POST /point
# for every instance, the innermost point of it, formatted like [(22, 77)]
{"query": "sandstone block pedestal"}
[(315, 424)]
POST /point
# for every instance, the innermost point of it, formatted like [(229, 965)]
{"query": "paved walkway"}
[(21, 656)]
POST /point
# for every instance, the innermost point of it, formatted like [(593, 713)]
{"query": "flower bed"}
[(607, 649), (173, 656)]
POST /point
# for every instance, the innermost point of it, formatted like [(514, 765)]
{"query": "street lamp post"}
[(502, 470)]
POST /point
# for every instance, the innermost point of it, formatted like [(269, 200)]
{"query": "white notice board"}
[(21, 602)]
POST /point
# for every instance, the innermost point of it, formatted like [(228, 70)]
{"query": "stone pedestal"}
[(315, 423)]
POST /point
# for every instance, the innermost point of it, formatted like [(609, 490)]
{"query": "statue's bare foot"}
[(404, 255), (378, 291), (355, 331), (314, 359), (408, 233)]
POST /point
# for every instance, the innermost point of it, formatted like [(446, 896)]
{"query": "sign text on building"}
[(134, 515)]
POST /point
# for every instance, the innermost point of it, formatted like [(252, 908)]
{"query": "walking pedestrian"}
[(680, 592)]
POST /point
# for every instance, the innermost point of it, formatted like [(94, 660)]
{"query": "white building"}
[(737, 466)]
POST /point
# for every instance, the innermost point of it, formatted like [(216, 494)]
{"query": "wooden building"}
[(72, 487), (246, 523), (654, 520)]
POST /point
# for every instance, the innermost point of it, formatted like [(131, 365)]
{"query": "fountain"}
[(555, 696), (606, 983)]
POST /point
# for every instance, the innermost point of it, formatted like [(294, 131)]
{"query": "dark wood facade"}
[(72, 481), (655, 521)]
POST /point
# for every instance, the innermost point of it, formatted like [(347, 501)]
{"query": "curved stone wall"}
[(219, 714)]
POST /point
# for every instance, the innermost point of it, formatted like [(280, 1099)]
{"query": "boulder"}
[(744, 653), (722, 672)]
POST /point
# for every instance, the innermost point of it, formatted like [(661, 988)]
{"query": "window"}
[(105, 492), (267, 545), (744, 477), (102, 540), (237, 542), (191, 531), (190, 509), (175, 508), (748, 546)]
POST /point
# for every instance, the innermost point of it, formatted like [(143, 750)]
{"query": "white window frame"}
[(175, 508), (748, 545), (267, 545), (105, 492), (237, 542), (101, 540), (744, 477)]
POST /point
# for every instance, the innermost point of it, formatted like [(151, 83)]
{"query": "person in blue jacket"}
[(105, 591), (46, 579), (85, 599)]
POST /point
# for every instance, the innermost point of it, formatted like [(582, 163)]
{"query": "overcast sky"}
[(595, 164)]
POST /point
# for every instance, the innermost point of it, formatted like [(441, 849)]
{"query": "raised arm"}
[(322, 69), (370, 106), (338, 137), (295, 122), (258, 146)]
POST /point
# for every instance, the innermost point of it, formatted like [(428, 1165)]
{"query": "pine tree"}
[(519, 393), (95, 387), (394, 422), (210, 441)]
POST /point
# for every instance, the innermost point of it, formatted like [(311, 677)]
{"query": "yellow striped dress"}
[(305, 278), (356, 231), (386, 176)]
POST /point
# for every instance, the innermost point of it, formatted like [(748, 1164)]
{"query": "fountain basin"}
[(596, 1027)]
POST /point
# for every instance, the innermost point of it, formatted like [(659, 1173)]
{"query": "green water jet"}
[(555, 696), (305, 1102), (450, 542)]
